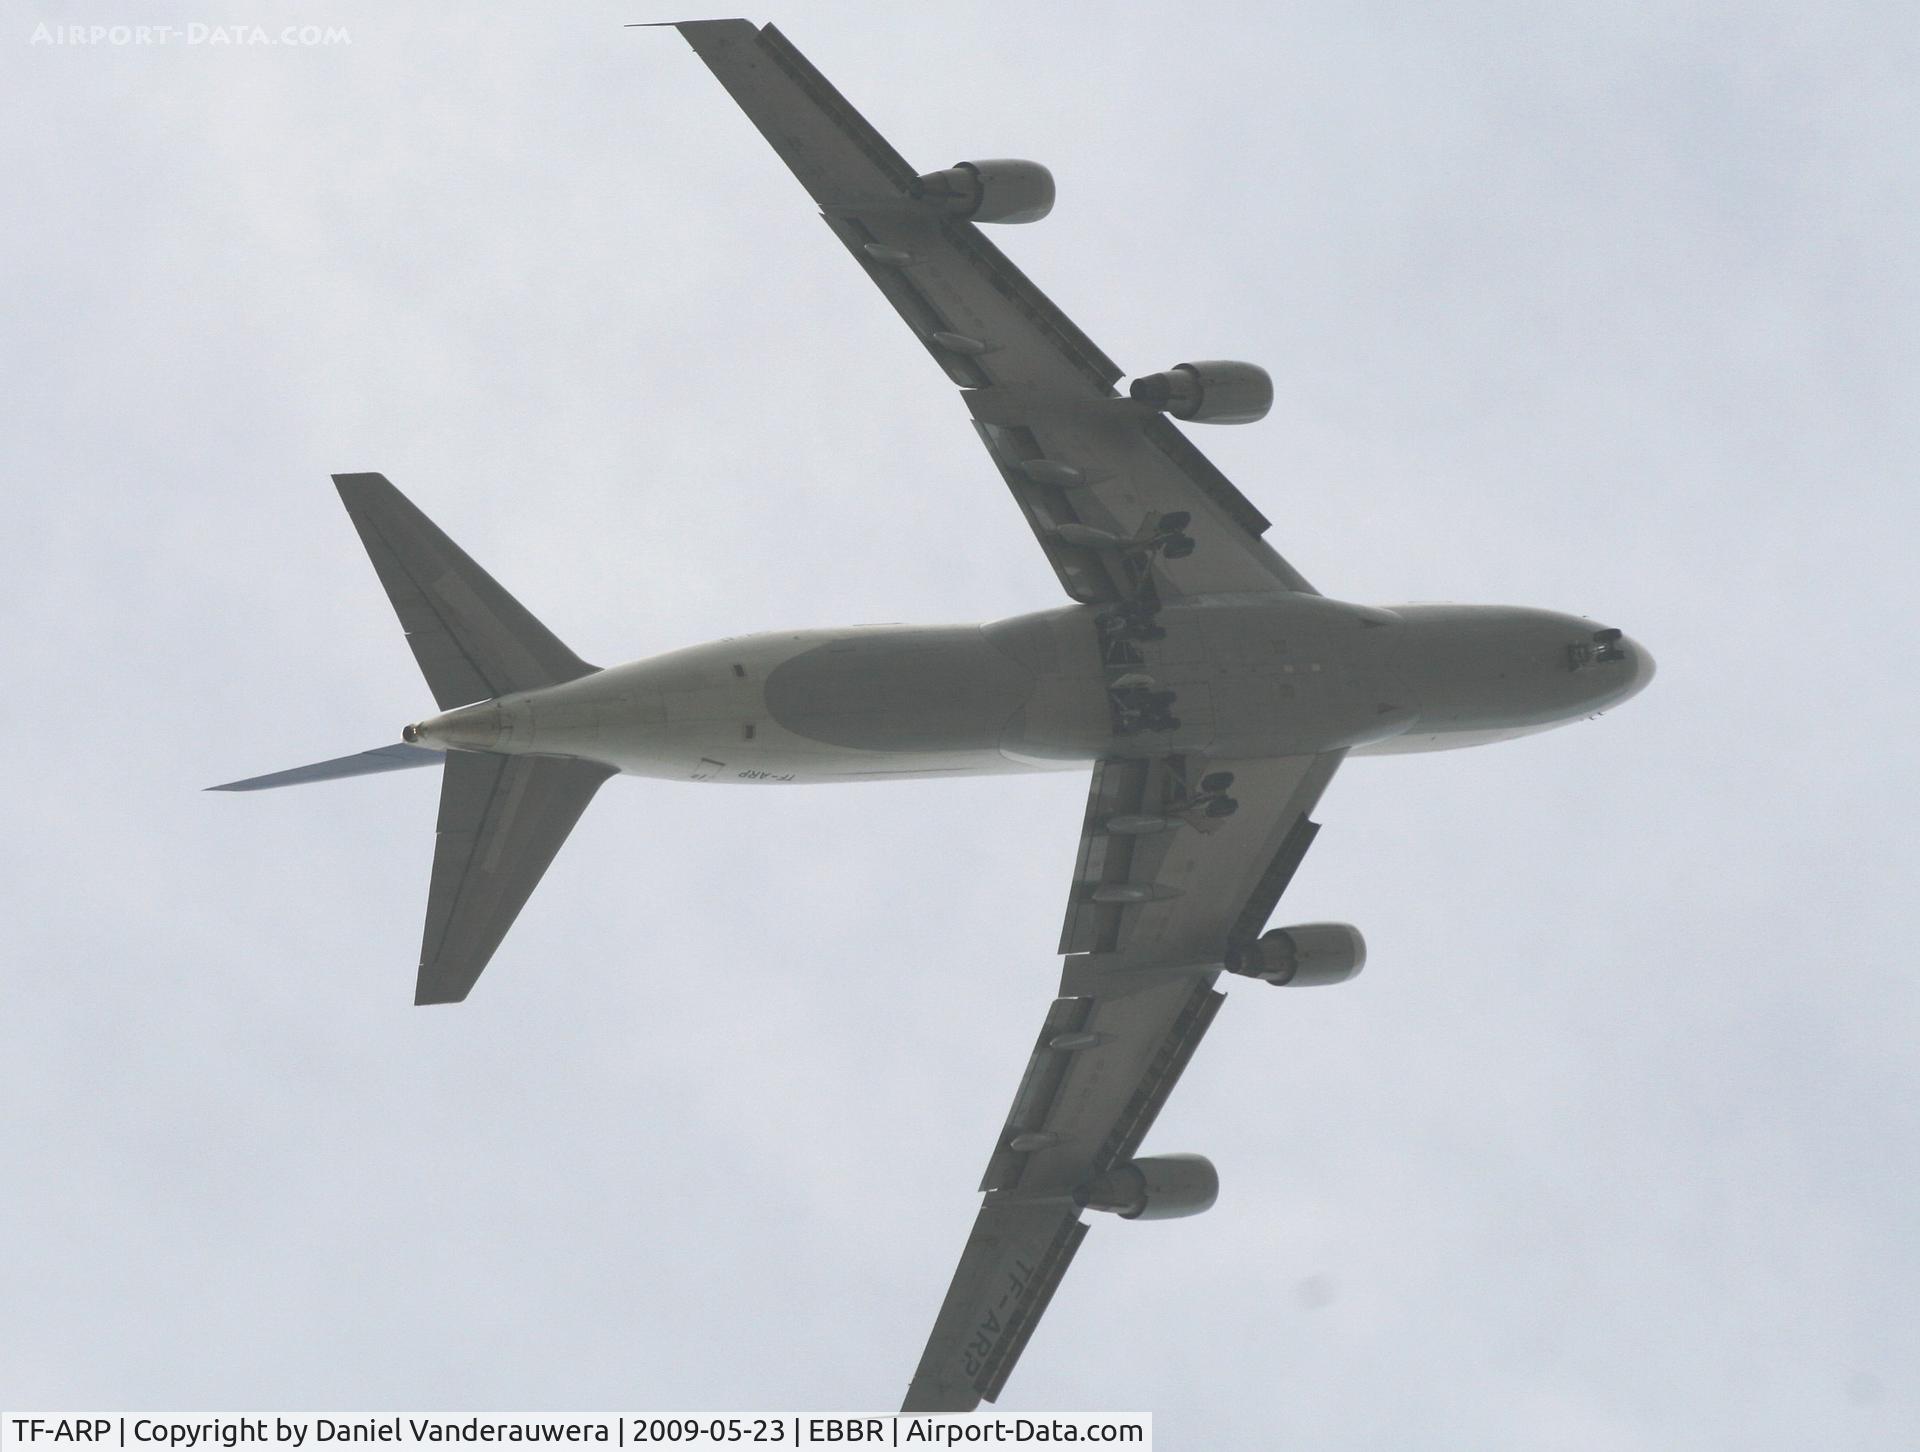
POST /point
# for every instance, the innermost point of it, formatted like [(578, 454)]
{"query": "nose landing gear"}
[(1602, 648)]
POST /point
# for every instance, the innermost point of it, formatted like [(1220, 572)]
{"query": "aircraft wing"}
[(1151, 914), (1074, 453)]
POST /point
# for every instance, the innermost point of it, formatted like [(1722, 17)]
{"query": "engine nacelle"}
[(1160, 1187), (1302, 957), (1215, 391), (990, 191)]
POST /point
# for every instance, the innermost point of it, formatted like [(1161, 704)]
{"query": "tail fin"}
[(472, 639), (502, 818), (397, 757)]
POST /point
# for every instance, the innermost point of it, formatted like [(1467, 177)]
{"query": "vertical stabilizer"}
[(502, 817)]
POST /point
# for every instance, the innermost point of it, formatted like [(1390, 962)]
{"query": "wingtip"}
[(430, 989), (691, 28)]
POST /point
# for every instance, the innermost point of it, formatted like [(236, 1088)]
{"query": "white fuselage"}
[(1256, 675)]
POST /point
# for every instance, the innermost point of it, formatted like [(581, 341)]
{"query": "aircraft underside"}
[(1042, 692), (1213, 689)]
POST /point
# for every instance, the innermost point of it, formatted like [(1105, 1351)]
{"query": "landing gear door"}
[(1192, 707), (1186, 638)]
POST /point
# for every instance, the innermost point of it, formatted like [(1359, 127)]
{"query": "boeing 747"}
[(1213, 691)]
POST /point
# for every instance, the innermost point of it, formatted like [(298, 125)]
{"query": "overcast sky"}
[(1606, 308)]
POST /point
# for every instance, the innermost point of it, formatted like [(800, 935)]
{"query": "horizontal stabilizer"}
[(473, 640), (397, 757), (502, 819)]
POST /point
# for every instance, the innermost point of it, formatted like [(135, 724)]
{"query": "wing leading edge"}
[(1083, 463), (1152, 910), (1151, 916)]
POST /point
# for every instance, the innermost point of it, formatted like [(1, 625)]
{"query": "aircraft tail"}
[(397, 757), (502, 817), (472, 639)]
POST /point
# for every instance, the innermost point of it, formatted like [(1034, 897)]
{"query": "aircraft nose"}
[(1640, 669), (1643, 664), (1612, 666)]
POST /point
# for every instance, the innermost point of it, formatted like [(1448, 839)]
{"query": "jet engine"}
[(989, 191), (1216, 391), (1161, 1187), (1301, 957)]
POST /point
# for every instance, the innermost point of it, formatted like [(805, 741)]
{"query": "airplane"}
[(1213, 690)]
